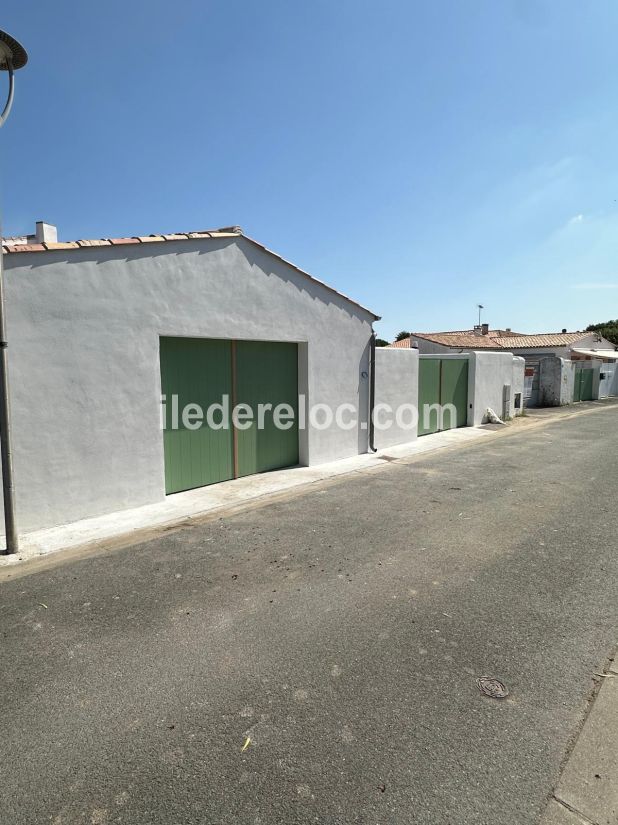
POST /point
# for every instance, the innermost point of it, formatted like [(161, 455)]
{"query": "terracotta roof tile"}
[(403, 344), (226, 232), (494, 340), (545, 339), (459, 339), (24, 247), (123, 241), (456, 340), (49, 245)]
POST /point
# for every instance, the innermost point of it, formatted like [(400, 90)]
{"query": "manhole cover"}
[(492, 687)]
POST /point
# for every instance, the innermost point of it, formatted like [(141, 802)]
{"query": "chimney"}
[(46, 232), (484, 329), (477, 329)]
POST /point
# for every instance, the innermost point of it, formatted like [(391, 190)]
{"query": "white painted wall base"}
[(489, 373), (396, 385)]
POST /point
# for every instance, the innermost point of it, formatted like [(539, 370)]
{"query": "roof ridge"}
[(49, 246), (223, 232)]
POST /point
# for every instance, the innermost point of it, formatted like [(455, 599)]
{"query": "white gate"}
[(531, 384), (608, 384)]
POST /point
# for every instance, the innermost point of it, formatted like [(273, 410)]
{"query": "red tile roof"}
[(456, 340), (226, 232), (403, 344), (544, 339), (495, 339)]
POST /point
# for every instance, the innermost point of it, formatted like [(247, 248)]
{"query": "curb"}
[(587, 791)]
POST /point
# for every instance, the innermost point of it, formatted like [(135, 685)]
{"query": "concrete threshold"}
[(587, 792), (219, 499)]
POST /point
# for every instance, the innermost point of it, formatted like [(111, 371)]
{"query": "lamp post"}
[(12, 57)]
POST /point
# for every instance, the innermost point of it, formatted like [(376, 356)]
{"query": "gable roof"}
[(464, 338), (225, 232), (544, 339), (467, 338), (404, 343), (495, 339)]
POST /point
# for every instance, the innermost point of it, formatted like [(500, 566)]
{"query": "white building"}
[(574, 345), (98, 330)]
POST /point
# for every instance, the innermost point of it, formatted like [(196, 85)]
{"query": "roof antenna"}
[(480, 307)]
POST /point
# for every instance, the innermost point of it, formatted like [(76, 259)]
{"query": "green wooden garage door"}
[(584, 382), (454, 388), (204, 371), (442, 381), (267, 373), (428, 394)]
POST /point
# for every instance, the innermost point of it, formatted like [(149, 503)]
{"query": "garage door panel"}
[(454, 390), (587, 385), (428, 395), (195, 371), (266, 373), (584, 384)]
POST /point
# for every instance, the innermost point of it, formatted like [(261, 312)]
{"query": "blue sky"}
[(420, 157)]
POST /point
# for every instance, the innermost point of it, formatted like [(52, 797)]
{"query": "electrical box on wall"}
[(506, 401)]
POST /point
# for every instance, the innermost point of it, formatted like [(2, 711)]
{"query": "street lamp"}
[(12, 57)]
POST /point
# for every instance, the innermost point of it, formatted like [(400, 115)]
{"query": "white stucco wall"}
[(488, 373), (430, 348), (83, 330), (396, 384), (568, 382), (519, 368), (556, 381), (534, 354)]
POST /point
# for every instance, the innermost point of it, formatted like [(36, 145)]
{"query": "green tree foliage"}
[(608, 329), (401, 335), (380, 342)]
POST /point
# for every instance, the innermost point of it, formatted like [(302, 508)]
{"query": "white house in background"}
[(443, 343), (572, 345), (576, 346)]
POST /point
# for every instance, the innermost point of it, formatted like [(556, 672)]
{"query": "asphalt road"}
[(342, 631)]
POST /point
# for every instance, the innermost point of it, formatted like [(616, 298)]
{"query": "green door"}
[(587, 381), (583, 385), (454, 391), (267, 374), (206, 372), (442, 381), (195, 371), (428, 394)]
